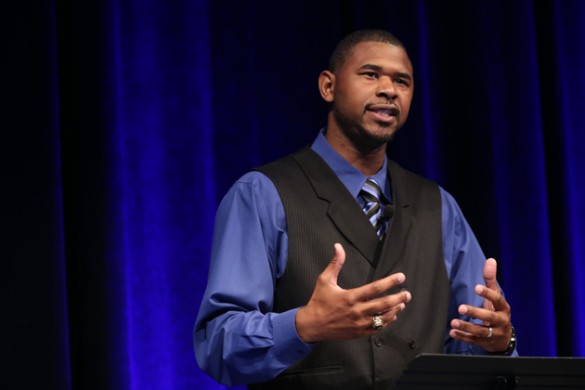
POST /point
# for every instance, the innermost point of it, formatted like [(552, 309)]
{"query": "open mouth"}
[(384, 112), (387, 111)]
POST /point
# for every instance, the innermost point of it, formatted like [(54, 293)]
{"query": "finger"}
[(490, 271), (468, 329), (391, 316), (469, 338), (332, 271), (490, 317), (496, 340), (391, 303), (495, 297), (375, 288)]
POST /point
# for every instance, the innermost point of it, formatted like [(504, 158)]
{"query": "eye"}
[(370, 75), (402, 82)]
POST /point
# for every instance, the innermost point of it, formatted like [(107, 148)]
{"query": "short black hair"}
[(346, 45)]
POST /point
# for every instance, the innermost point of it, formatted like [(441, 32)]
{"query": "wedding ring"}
[(490, 332), (377, 322)]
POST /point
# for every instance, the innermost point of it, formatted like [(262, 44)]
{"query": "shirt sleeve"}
[(464, 260), (237, 338)]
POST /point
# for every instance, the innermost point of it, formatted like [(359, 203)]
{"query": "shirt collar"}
[(350, 176)]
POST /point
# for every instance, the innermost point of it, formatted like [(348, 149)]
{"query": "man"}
[(334, 267)]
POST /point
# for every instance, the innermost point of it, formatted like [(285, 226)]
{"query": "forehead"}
[(378, 53)]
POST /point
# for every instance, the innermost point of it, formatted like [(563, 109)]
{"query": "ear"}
[(327, 85)]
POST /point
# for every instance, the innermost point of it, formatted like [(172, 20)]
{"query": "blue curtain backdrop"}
[(125, 122)]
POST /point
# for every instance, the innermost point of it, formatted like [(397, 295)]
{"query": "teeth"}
[(386, 112)]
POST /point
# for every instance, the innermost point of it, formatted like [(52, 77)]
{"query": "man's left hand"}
[(493, 335)]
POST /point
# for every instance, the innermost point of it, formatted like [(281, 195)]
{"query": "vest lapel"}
[(396, 242), (343, 210)]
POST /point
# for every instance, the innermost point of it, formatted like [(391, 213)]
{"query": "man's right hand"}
[(333, 313)]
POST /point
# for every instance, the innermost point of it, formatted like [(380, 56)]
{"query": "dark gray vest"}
[(319, 212)]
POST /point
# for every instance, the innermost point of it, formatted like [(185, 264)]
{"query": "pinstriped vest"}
[(320, 211)]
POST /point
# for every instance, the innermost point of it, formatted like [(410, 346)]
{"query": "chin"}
[(383, 135)]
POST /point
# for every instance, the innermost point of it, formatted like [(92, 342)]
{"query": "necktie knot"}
[(372, 194)]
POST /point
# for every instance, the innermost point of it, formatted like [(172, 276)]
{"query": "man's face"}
[(371, 93)]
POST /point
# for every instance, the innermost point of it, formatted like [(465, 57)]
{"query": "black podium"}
[(458, 372)]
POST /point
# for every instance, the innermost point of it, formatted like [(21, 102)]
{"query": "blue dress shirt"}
[(237, 337)]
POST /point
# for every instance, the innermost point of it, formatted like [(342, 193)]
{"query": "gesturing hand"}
[(495, 315), (333, 313)]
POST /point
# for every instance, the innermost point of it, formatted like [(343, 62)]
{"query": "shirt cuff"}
[(286, 339)]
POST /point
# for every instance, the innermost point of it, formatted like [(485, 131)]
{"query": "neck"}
[(368, 160)]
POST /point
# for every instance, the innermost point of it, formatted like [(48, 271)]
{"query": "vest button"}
[(379, 342), (412, 344)]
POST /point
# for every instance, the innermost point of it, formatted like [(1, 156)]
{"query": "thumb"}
[(490, 271), (336, 263)]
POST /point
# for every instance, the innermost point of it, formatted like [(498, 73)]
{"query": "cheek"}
[(347, 103), (406, 101), (351, 102)]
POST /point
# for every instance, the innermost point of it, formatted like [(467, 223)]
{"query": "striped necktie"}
[(371, 193)]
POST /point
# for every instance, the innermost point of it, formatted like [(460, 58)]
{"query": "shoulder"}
[(250, 191), (283, 167), (409, 176), (251, 184), (415, 184), (409, 188), (252, 198), (451, 209)]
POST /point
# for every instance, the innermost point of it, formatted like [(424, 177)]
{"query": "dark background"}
[(125, 122)]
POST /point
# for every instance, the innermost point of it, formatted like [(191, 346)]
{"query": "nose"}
[(386, 89)]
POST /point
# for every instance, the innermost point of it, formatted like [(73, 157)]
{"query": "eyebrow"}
[(378, 68)]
